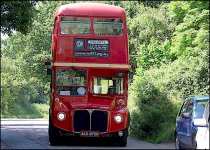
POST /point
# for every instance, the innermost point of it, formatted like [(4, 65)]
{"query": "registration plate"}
[(89, 134)]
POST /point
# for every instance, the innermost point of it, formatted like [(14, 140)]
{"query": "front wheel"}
[(194, 141), (177, 143), (53, 133), (122, 141)]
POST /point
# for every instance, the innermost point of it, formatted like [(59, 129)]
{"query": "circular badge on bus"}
[(79, 44), (81, 91)]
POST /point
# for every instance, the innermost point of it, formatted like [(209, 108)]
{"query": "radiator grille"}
[(81, 120), (95, 121), (99, 121)]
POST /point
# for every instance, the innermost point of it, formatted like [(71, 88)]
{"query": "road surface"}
[(32, 134)]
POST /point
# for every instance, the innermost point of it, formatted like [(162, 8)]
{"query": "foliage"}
[(154, 54), (150, 25), (149, 113), (172, 65), (154, 4), (191, 36), (23, 76), (170, 42), (14, 17), (43, 109), (155, 95)]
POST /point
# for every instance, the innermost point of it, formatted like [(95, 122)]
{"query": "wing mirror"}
[(186, 115), (48, 64), (133, 64)]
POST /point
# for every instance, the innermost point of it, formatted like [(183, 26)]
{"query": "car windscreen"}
[(200, 108)]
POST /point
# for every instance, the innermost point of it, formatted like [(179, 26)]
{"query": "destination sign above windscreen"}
[(101, 45)]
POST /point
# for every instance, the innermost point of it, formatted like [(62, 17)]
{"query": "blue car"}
[(187, 126)]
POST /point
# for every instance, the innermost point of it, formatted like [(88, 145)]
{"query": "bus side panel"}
[(119, 51), (64, 49)]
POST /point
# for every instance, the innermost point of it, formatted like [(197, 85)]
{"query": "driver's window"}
[(184, 107), (106, 85), (190, 107), (187, 107)]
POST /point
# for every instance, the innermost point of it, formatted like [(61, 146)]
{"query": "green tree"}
[(150, 33), (170, 68), (155, 4), (191, 37), (157, 93), (154, 54), (17, 15), (24, 80)]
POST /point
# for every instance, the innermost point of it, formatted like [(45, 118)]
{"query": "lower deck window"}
[(71, 82)]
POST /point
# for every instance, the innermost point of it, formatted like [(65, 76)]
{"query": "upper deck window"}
[(107, 26), (75, 25)]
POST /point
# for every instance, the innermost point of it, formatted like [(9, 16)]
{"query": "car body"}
[(192, 123)]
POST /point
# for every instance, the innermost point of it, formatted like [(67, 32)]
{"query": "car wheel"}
[(177, 143), (53, 133), (194, 141), (122, 141)]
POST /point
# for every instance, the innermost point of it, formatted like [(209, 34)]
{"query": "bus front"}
[(89, 73)]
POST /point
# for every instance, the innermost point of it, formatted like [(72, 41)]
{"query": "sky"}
[(3, 36)]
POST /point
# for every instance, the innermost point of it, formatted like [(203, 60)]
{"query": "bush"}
[(152, 110), (42, 109), (156, 95)]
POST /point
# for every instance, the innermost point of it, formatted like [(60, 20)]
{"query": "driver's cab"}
[(108, 85)]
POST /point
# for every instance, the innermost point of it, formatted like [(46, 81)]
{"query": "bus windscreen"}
[(70, 82), (103, 85)]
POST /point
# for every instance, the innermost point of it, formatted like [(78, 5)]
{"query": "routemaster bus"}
[(89, 73)]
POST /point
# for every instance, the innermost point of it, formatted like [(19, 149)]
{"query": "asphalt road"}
[(32, 134)]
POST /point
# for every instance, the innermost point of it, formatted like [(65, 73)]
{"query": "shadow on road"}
[(76, 141)]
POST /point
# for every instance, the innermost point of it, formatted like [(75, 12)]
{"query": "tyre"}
[(122, 141), (177, 143), (53, 133), (194, 141)]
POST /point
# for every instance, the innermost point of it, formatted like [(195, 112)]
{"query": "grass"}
[(28, 111), (42, 109), (165, 135)]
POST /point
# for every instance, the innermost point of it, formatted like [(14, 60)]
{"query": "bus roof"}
[(90, 9)]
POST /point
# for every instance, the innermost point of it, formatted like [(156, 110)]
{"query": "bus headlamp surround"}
[(118, 118), (120, 102), (61, 116)]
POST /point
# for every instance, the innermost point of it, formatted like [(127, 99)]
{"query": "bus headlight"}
[(61, 116), (118, 118)]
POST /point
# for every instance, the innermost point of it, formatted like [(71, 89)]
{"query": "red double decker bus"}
[(89, 73)]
